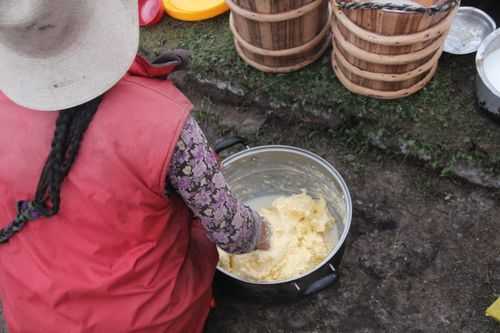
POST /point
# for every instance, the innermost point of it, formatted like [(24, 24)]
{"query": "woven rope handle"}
[(444, 7)]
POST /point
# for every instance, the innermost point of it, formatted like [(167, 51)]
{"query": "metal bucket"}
[(281, 171), (487, 95)]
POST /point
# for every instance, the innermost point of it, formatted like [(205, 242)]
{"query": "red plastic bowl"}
[(150, 12)]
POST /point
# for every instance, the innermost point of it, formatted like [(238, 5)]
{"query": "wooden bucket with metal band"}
[(280, 36), (389, 53)]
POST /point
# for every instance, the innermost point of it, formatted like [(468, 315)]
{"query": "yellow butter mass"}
[(299, 225)]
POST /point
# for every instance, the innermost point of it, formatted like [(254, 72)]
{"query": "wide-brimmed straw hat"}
[(56, 54)]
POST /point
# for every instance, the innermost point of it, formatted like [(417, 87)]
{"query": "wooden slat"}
[(275, 34), (422, 30)]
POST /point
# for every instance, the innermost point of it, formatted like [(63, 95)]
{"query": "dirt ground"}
[(422, 255)]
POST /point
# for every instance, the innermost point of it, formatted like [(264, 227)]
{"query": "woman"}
[(104, 238)]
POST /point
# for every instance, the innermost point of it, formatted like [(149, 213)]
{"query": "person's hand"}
[(264, 242)]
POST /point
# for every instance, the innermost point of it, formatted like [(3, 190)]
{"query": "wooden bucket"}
[(280, 36), (387, 54)]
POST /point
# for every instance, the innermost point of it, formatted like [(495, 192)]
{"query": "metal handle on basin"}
[(228, 142), (320, 284)]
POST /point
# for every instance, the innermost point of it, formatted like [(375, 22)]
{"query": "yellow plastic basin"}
[(194, 10)]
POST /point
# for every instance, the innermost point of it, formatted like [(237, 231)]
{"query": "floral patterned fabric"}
[(194, 174)]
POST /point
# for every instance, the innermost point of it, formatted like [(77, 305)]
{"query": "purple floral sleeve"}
[(194, 174)]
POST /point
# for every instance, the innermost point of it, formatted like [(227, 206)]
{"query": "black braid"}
[(71, 126)]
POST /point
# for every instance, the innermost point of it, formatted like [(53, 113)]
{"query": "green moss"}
[(441, 121)]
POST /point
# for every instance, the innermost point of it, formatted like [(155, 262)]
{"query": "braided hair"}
[(71, 126)]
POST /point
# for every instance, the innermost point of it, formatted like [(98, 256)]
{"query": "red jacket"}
[(119, 256)]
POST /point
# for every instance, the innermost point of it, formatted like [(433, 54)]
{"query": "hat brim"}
[(87, 68)]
